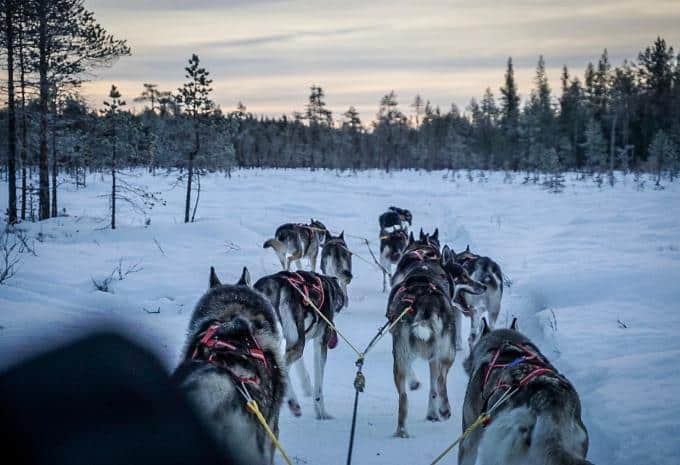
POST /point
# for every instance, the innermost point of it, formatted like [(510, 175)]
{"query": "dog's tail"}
[(518, 436), (274, 244), (549, 436)]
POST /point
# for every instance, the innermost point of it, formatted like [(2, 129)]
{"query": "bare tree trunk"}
[(11, 114), (44, 186), (198, 195), (190, 173), (113, 183), (612, 148), (24, 125), (54, 167)]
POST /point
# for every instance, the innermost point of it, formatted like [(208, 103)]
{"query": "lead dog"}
[(394, 237), (288, 293), (235, 342), (539, 425), (427, 329), (292, 242), (485, 270), (336, 259)]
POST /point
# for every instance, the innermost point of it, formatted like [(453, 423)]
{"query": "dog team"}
[(244, 338)]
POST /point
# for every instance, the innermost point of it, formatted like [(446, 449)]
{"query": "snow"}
[(579, 262)]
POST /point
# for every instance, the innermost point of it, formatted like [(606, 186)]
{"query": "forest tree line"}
[(624, 117)]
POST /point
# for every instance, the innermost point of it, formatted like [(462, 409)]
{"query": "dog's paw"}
[(414, 384), (401, 433), (295, 408), (432, 417), (445, 413)]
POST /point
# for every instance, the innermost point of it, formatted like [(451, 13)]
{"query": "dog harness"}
[(537, 364), (409, 298), (214, 348), (314, 293), (427, 253)]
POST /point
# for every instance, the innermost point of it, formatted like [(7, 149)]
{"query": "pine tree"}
[(194, 96), (112, 115), (509, 109), (9, 13), (663, 154), (595, 148), (69, 43)]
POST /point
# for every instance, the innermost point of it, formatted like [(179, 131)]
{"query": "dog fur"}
[(242, 312), (394, 224), (292, 242), (300, 323), (539, 425), (487, 271), (428, 331), (336, 259)]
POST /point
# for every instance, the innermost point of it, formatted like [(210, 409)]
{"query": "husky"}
[(540, 424), (235, 346), (395, 218), (394, 225), (416, 254), (292, 242), (427, 330), (336, 259), (288, 293), (485, 270)]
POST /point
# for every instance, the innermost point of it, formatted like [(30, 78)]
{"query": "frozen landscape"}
[(594, 275)]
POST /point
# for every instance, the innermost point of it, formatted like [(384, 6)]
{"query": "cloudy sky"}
[(267, 53)]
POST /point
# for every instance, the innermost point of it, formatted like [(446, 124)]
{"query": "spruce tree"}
[(194, 96)]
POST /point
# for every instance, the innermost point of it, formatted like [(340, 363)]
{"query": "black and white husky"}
[(288, 293), (540, 424), (336, 259), (487, 271), (394, 224), (427, 330), (292, 242), (235, 346)]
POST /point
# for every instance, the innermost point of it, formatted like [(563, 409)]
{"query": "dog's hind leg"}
[(320, 355), (444, 406), (293, 354), (303, 374), (433, 398), (400, 369)]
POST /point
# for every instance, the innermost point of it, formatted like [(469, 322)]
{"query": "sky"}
[(267, 53)]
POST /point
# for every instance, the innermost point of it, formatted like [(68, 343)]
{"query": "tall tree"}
[(112, 116), (10, 16), (509, 114), (69, 43), (194, 97)]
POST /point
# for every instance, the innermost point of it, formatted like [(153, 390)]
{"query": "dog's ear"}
[(421, 234), (328, 236), (513, 325), (411, 239), (435, 234), (485, 327), (342, 235), (467, 249), (245, 278), (214, 280), (447, 255)]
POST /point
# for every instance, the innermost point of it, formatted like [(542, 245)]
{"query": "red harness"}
[(535, 361), (426, 253), (216, 347), (313, 291), (410, 298)]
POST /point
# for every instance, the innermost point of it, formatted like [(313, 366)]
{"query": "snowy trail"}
[(579, 262)]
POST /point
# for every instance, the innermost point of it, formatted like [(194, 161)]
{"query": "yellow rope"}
[(328, 322), (481, 419), (253, 408)]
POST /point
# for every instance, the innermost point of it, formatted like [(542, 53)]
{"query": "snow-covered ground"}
[(580, 262)]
